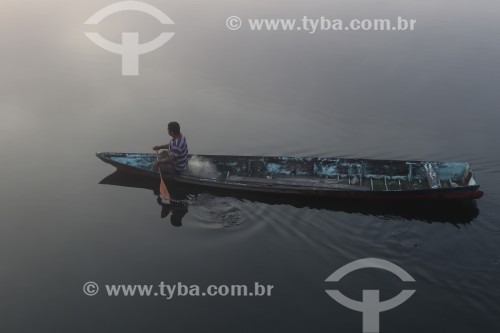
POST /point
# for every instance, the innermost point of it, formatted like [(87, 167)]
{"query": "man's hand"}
[(167, 160), (156, 148)]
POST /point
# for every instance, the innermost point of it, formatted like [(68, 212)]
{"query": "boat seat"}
[(432, 177)]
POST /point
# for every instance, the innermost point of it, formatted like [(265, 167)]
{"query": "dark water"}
[(430, 94)]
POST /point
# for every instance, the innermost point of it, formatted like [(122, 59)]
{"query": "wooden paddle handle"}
[(158, 158)]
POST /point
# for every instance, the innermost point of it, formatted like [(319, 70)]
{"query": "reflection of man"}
[(178, 212), (177, 215), (177, 160)]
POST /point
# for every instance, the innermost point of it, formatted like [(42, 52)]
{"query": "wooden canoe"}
[(315, 176)]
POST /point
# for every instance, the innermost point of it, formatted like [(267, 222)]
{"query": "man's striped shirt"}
[(179, 150)]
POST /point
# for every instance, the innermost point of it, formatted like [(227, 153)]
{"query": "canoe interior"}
[(310, 172)]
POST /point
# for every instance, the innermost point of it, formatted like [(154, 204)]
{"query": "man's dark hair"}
[(174, 127)]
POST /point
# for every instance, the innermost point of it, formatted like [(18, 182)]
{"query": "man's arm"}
[(167, 146)]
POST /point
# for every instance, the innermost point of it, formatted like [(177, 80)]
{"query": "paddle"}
[(163, 188)]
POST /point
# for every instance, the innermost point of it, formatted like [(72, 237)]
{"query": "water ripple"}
[(217, 212)]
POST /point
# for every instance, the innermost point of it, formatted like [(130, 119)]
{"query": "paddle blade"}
[(164, 192)]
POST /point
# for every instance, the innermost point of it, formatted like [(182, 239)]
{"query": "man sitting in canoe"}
[(177, 160)]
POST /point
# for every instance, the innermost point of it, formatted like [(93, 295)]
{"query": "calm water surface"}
[(430, 94)]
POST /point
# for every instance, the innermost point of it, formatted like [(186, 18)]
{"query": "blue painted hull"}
[(315, 176)]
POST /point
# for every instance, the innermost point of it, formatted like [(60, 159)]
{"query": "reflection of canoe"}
[(431, 211), (315, 176)]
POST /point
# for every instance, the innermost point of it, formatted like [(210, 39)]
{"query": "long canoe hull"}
[(314, 176)]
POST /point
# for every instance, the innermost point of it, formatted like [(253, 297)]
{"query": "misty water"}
[(428, 94)]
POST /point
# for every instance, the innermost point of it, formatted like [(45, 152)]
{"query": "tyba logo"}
[(370, 306), (130, 49)]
